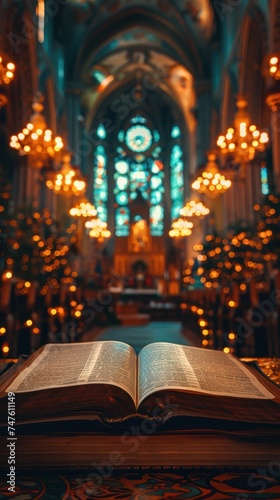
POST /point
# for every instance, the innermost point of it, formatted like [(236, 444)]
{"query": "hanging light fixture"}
[(98, 229), (244, 138), (271, 66), (7, 66), (210, 181), (7, 69), (68, 180), (36, 140), (194, 208), (180, 228), (83, 209)]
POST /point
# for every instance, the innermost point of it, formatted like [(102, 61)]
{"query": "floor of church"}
[(139, 336)]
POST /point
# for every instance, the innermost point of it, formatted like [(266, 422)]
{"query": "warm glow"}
[(215, 183), (8, 275), (194, 208), (84, 209), (240, 141), (7, 69), (38, 145), (273, 67), (5, 349), (180, 228)]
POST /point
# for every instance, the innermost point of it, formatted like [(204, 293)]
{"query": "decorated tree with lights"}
[(236, 257), (268, 228), (4, 211), (36, 250)]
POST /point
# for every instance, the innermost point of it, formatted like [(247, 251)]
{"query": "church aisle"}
[(139, 336)]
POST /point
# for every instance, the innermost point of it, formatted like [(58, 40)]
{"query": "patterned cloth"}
[(139, 484)]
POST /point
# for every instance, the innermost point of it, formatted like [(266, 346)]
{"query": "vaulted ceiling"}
[(111, 46)]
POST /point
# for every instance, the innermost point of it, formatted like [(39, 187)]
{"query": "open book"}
[(107, 381)]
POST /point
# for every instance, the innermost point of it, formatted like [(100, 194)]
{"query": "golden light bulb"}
[(273, 60)]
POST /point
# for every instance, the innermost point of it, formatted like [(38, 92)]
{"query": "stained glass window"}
[(176, 176), (122, 221), (100, 183), (138, 119), (264, 180), (101, 132), (139, 138), (175, 132), (138, 167), (121, 136), (142, 171)]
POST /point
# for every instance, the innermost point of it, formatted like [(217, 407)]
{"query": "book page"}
[(165, 366), (61, 365)]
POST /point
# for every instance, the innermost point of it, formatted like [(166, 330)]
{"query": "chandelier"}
[(68, 180), (194, 208), (83, 209), (98, 229), (7, 69), (36, 140), (272, 66), (180, 228), (210, 181), (244, 138)]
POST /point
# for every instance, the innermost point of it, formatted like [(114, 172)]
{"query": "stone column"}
[(204, 111), (273, 101), (73, 110)]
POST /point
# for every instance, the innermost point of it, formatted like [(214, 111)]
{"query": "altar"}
[(140, 294)]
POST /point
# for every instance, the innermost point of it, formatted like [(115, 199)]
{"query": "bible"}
[(108, 382)]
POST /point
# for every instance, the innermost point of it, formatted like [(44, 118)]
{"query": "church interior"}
[(140, 173), (140, 203)]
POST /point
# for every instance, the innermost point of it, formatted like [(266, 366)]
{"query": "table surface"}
[(270, 366)]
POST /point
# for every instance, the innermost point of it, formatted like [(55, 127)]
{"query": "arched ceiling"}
[(178, 29), (112, 42)]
